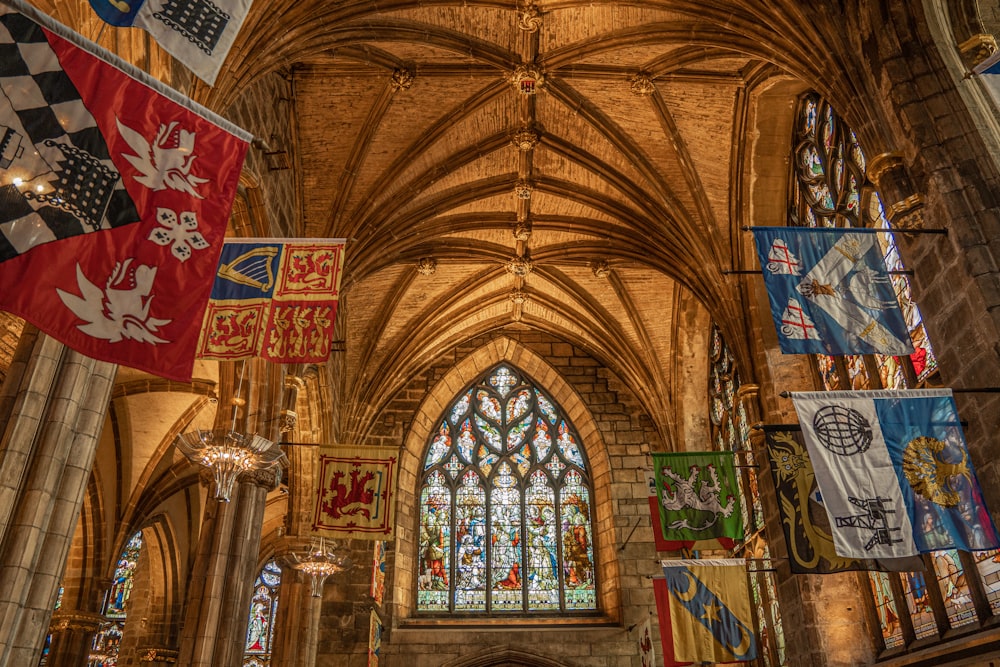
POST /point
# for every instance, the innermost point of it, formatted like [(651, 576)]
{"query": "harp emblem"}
[(253, 268)]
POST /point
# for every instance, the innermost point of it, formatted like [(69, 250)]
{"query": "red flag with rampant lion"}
[(356, 496)]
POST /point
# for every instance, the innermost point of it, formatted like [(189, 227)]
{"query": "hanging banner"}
[(356, 492)]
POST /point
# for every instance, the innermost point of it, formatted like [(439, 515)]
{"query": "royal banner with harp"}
[(275, 299)]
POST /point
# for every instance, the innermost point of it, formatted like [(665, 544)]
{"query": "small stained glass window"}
[(263, 612), (104, 650), (506, 515)]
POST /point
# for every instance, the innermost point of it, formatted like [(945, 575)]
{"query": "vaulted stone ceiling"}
[(595, 209), (591, 209)]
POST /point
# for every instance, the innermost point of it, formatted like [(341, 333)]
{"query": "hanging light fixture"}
[(228, 454), (319, 563)]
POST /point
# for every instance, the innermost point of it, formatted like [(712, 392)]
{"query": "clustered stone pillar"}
[(53, 404), (297, 625), (72, 636)]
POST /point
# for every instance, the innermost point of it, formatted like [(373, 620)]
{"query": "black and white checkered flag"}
[(57, 179)]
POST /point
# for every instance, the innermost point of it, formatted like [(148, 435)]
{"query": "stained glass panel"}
[(470, 540), (954, 589), (885, 607), (104, 649), (512, 531), (919, 604), (988, 564), (263, 611), (434, 543)]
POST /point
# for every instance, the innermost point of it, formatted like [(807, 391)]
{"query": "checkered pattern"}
[(67, 183)]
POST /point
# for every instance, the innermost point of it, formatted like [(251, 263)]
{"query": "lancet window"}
[(729, 411), (263, 612), (830, 188), (104, 651), (506, 506)]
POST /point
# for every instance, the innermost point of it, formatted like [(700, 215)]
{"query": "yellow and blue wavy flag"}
[(710, 614), (830, 292)]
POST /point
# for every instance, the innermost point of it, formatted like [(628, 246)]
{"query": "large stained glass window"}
[(263, 612), (506, 506), (104, 651), (830, 188)]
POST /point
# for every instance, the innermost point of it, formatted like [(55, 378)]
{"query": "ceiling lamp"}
[(319, 563), (228, 454)]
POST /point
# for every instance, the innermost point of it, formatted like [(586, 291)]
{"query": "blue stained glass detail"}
[(453, 466), (466, 442), (568, 447), (547, 409), (518, 404), (263, 611), (487, 459), (542, 440), (517, 433)]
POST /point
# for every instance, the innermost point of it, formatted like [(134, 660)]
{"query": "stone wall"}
[(617, 452)]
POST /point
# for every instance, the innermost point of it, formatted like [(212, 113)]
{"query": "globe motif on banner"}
[(842, 430)]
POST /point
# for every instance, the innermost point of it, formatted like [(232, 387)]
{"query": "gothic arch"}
[(430, 410), (494, 657)]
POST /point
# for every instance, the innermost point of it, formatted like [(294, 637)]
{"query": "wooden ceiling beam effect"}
[(384, 315), (685, 59), (363, 139), (429, 137), (319, 67), (372, 55)]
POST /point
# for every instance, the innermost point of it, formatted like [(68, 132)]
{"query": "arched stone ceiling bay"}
[(500, 163), (323, 152), (569, 23), (496, 24), (702, 115), (615, 66)]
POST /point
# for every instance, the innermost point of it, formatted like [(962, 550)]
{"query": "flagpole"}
[(858, 230)]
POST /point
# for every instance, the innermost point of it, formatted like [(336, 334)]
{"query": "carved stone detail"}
[(527, 79), (294, 382), (69, 619), (268, 478), (522, 230), (601, 268), (642, 84), (881, 164), (523, 189), (525, 139), (977, 49), (517, 296), (402, 79), (530, 19), (426, 266), (519, 266), (163, 656), (288, 419), (907, 214)]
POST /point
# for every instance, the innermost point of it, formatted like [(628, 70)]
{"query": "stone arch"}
[(431, 408), (494, 657)]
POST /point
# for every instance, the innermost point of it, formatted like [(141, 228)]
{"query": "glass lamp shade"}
[(228, 454)]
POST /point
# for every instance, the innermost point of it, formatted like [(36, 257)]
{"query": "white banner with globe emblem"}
[(894, 472), (855, 474)]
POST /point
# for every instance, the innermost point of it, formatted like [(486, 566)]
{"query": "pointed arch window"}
[(506, 506), (830, 188), (263, 613), (104, 651)]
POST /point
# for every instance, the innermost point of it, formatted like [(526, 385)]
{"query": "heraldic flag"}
[(698, 498), (894, 472), (115, 192), (662, 595), (275, 299), (199, 33), (710, 619), (356, 497), (830, 292)]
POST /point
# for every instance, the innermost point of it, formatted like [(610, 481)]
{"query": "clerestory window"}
[(506, 505)]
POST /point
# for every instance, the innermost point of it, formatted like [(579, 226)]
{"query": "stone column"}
[(72, 633), (218, 600), (297, 625), (54, 402)]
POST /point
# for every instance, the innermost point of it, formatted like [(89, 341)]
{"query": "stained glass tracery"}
[(506, 508)]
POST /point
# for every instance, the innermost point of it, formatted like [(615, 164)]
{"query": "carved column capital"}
[(903, 204), (268, 478), (977, 49), (74, 619), (157, 655)]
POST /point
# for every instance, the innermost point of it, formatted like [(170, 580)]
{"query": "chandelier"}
[(228, 454), (319, 563)]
